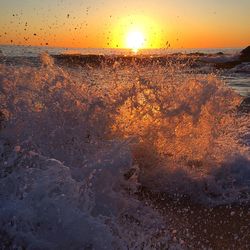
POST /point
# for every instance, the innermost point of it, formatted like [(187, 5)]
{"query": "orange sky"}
[(78, 23)]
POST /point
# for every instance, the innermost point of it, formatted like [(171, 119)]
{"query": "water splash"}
[(112, 129)]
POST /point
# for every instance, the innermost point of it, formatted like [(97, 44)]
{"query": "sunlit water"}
[(122, 156), (35, 51)]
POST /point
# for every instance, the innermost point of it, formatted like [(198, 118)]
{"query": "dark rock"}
[(99, 60), (227, 65), (244, 57), (245, 54), (78, 59), (220, 53), (197, 54), (244, 106)]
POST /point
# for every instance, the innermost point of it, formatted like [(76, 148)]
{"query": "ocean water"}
[(117, 155), (34, 51)]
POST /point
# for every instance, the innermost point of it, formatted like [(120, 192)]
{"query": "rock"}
[(243, 57), (220, 53), (196, 54), (245, 54), (227, 65), (244, 106)]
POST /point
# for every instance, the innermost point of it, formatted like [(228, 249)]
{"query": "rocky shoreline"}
[(196, 59)]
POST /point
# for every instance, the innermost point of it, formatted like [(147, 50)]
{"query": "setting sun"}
[(135, 40), (136, 32)]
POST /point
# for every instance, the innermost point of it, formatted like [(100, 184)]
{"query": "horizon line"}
[(160, 48)]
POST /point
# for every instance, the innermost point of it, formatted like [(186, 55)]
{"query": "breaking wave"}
[(77, 142)]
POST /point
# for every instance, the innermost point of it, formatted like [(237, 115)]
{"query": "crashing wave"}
[(111, 130)]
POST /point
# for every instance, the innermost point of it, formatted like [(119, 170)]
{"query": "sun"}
[(135, 40), (136, 32)]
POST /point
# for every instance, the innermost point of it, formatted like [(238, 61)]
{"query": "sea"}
[(107, 149)]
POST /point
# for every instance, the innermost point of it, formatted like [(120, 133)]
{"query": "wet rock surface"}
[(243, 57), (245, 54)]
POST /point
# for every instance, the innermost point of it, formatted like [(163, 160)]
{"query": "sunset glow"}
[(136, 32), (135, 40), (98, 24)]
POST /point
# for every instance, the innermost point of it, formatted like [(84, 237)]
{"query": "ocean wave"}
[(77, 144), (175, 117)]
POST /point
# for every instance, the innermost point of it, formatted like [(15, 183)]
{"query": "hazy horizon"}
[(160, 48)]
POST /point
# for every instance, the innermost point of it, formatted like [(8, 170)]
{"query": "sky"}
[(108, 23)]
